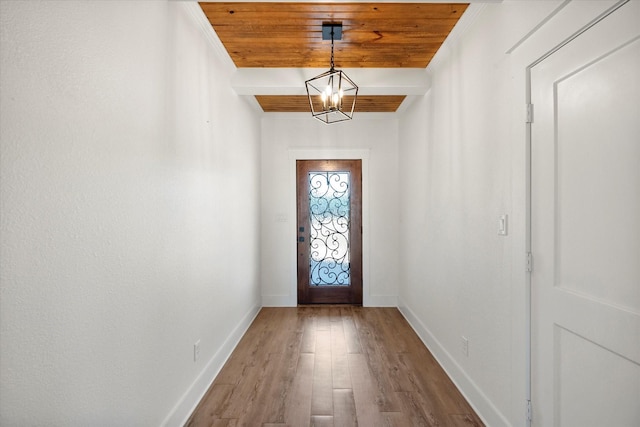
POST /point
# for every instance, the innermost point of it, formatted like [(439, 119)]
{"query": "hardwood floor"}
[(332, 366)]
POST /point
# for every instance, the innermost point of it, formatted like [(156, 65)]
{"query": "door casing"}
[(326, 154)]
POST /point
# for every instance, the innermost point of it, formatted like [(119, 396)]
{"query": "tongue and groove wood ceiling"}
[(374, 35)]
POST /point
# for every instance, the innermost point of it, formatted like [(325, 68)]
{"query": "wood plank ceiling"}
[(289, 35)]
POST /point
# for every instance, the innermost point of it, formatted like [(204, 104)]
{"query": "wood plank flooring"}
[(332, 366)]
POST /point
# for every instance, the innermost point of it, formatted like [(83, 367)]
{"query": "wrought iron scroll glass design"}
[(329, 201)]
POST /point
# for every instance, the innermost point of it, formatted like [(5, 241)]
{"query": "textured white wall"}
[(285, 138), (463, 164), (130, 200)]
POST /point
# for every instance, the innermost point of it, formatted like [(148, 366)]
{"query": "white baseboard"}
[(485, 409), (180, 414)]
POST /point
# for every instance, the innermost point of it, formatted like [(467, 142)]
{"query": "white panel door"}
[(586, 228)]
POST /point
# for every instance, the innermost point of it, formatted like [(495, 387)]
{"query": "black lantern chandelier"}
[(332, 94)]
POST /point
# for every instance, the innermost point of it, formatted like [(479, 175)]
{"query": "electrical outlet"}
[(465, 346), (196, 351)]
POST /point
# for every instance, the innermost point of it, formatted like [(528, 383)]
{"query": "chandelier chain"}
[(332, 66)]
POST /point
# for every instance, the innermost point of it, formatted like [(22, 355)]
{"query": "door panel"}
[(586, 228), (329, 218)]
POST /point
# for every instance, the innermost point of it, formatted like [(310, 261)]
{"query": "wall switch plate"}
[(465, 346), (503, 225), (196, 351)]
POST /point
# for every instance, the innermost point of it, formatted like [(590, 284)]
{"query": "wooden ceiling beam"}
[(370, 81)]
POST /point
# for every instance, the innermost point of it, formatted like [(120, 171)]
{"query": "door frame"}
[(292, 235), (528, 190)]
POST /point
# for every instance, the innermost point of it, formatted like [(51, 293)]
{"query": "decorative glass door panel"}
[(329, 204), (329, 231)]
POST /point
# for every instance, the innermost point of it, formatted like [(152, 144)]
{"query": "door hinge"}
[(529, 113), (529, 410), (529, 262)]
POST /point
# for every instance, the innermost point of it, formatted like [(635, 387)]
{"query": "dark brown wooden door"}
[(329, 220)]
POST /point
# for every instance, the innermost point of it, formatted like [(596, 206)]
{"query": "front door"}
[(585, 281), (329, 221)]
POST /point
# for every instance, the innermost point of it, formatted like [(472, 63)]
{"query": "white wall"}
[(463, 164), (372, 137), (130, 199)]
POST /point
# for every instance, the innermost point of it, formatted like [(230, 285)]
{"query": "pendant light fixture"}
[(332, 94)]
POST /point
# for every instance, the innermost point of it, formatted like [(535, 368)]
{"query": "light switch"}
[(503, 225)]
